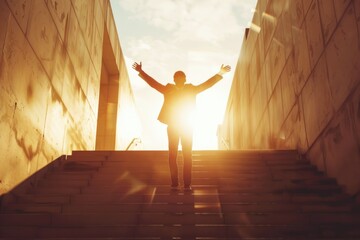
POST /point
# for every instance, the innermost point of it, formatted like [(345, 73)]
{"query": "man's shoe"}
[(187, 188)]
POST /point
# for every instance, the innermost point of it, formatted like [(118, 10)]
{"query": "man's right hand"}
[(137, 66), (224, 69)]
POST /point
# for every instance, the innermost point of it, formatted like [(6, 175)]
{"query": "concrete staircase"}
[(236, 195)]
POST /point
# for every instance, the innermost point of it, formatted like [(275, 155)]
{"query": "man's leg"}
[(186, 142), (173, 140)]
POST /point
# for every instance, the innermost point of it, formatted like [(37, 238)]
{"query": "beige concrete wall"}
[(51, 56), (297, 84)]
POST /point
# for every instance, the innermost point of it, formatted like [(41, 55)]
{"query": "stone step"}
[(197, 196), (199, 178), (227, 198), (177, 231), (158, 180), (242, 154), (53, 182), (63, 175), (32, 219), (56, 190), (121, 219), (291, 176), (151, 167), (268, 188), (136, 165), (245, 163), (135, 185), (184, 232), (196, 174), (125, 183), (27, 208), (41, 199), (184, 218), (176, 207)]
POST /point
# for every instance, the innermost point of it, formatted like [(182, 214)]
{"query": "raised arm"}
[(152, 82), (214, 79)]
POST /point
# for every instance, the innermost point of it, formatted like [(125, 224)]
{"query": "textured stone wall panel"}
[(266, 74), (276, 112), (93, 90), (261, 50), (342, 56), (286, 28), (253, 74), (254, 114), (77, 50), (262, 96), (316, 98), (29, 87), (340, 7), (293, 130), (7, 109), (261, 137), (99, 15), (341, 151), (276, 57), (328, 19), (301, 59), (59, 63), (323, 93), (42, 35), (96, 51), (357, 13), (85, 14), (258, 103), (307, 4), (316, 154), (354, 112), (88, 127), (297, 12), (70, 85), (268, 27), (56, 121), (59, 11), (111, 29), (314, 34), (308, 98), (84, 11), (20, 10), (287, 87), (4, 19), (276, 7)]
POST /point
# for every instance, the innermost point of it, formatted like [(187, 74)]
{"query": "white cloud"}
[(202, 20)]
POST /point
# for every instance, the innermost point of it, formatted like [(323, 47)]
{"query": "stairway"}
[(236, 195)]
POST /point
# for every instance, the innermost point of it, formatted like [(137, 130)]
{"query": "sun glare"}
[(207, 118)]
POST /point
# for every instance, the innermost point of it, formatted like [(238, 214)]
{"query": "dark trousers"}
[(185, 135)]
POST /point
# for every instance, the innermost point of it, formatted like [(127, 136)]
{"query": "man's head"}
[(179, 78)]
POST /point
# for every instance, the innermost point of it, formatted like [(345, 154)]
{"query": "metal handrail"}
[(135, 140)]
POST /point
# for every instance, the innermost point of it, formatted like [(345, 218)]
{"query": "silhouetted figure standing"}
[(176, 112)]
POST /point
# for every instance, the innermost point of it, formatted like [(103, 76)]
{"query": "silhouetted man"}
[(176, 113)]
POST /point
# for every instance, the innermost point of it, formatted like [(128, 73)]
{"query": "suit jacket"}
[(179, 103)]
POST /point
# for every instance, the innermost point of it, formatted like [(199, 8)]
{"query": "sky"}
[(195, 36)]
